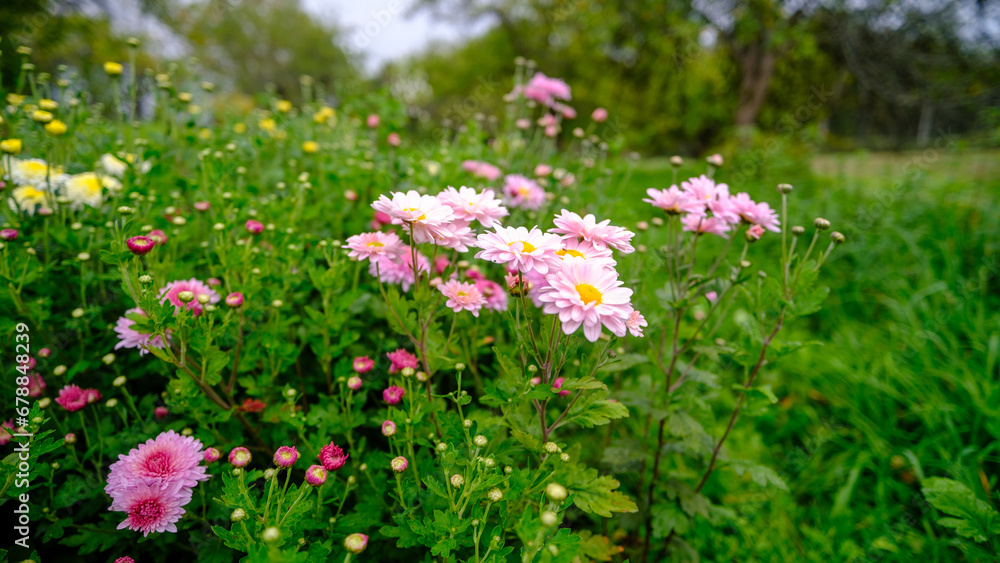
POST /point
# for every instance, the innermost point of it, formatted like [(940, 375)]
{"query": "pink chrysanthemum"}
[(170, 292), (400, 270), (401, 359), (575, 249), (462, 296), (363, 364), (240, 456), (635, 323), (332, 456), (130, 338), (755, 213), (456, 235), (601, 235), (496, 297), (520, 248), (546, 90), (698, 224), (523, 192), (588, 295), (482, 170), (286, 456), (152, 507), (673, 201), (140, 245), (72, 398), (423, 213), (93, 395), (372, 246), (470, 205), (704, 189), (393, 394), (316, 475), (36, 385), (169, 458)]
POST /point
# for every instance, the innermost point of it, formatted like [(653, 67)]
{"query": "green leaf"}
[(624, 362), (597, 495), (760, 474), (974, 518)]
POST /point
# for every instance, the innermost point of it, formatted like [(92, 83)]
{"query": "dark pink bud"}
[(8, 234), (255, 227), (140, 245), (234, 299)]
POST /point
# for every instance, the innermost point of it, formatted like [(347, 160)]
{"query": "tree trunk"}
[(756, 63)]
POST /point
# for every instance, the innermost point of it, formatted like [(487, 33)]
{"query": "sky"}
[(384, 30)]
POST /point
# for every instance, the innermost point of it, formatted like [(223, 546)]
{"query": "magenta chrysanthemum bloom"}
[(72, 398), (586, 228), (462, 296), (254, 227), (545, 90), (240, 457), (755, 213), (588, 295), (470, 205), (161, 412), (523, 192), (401, 359), (332, 456), (93, 395), (423, 214), (316, 475), (393, 394), (36, 385), (599, 115), (399, 270), (158, 236), (356, 543), (130, 338), (354, 383), (234, 299), (673, 201), (520, 248), (496, 297), (140, 245), (171, 291), (372, 246), (399, 464), (169, 458), (8, 234), (388, 428), (286, 456), (701, 225), (363, 364), (704, 190), (125, 559), (635, 323), (211, 455), (152, 508)]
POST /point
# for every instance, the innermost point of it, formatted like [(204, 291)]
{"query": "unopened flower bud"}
[(238, 515), (549, 518), (495, 494), (480, 441), (784, 188), (271, 535), (407, 372), (556, 492), (821, 224), (676, 161), (457, 480), (112, 403), (551, 447), (837, 237), (108, 359), (356, 543), (186, 296), (798, 230)]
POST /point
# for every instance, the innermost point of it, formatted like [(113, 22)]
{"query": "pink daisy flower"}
[(393, 394), (401, 359), (72, 398), (130, 338), (462, 296), (496, 297), (704, 189), (546, 90), (635, 323), (423, 213), (523, 192), (169, 458), (576, 249), (699, 224), (673, 201), (755, 213), (170, 292), (363, 364), (372, 246), (482, 170), (588, 295), (470, 205), (152, 507), (520, 248), (332, 456), (601, 235), (755, 232), (456, 235)]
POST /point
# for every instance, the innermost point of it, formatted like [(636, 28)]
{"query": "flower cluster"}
[(39, 185), (707, 207)]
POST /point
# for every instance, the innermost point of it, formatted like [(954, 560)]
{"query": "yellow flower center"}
[(375, 243), (35, 167), (588, 293), (412, 209), (571, 252), (527, 246), (462, 294), (92, 185), (28, 192)]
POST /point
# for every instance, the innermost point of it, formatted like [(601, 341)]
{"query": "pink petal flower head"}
[(567, 111), (576, 249), (356, 543), (140, 245), (674, 201), (363, 364), (456, 235), (401, 359), (174, 288), (240, 457), (354, 383), (470, 205), (701, 225), (332, 457), (545, 90), (543, 170), (152, 507), (714, 160), (161, 412), (548, 120), (399, 464), (462, 296), (712, 296), (254, 227), (169, 458), (8, 234), (704, 189), (316, 475), (520, 248), (496, 297), (125, 559), (234, 299), (600, 115), (36, 385), (754, 232), (754, 213), (372, 246), (373, 120), (601, 235), (557, 386), (286, 456), (93, 395), (72, 398), (129, 337), (393, 394), (487, 171), (382, 218), (159, 236), (211, 455), (213, 282), (523, 123), (424, 215), (388, 428), (523, 192), (441, 264), (635, 323), (45, 352), (202, 205), (589, 295), (393, 139)]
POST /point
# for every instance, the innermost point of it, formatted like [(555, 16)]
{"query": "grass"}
[(907, 385)]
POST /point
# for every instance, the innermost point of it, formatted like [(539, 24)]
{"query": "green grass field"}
[(906, 386)]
